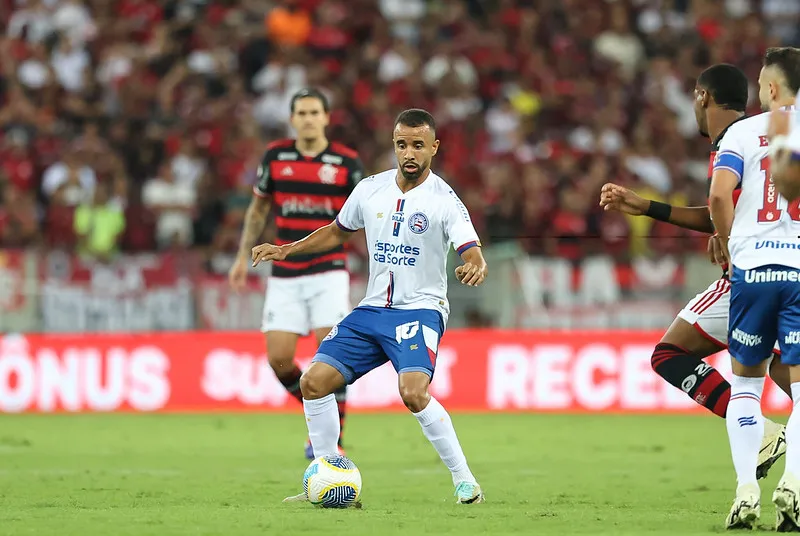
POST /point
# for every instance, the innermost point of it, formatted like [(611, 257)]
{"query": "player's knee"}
[(312, 386), (282, 365), (414, 397)]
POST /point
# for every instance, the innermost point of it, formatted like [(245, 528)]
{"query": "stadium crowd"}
[(138, 124)]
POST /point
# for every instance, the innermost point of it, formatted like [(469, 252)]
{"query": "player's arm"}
[(255, 219), (474, 270), (621, 199), (720, 200), (325, 238)]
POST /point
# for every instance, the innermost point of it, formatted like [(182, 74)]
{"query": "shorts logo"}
[(406, 331), (793, 337), (331, 334), (745, 339), (418, 223)]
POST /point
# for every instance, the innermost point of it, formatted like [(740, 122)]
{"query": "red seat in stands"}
[(59, 231)]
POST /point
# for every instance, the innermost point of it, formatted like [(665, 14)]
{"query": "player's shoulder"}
[(343, 150), (440, 187), (754, 125), (283, 149), (375, 183)]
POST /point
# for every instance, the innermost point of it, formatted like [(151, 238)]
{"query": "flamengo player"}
[(411, 218), (701, 328), (308, 179), (764, 256)]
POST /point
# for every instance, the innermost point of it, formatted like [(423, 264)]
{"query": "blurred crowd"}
[(136, 125)]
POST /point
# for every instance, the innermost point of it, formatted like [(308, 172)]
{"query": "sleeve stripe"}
[(343, 228), (259, 193), (733, 153), (732, 170), (464, 247)]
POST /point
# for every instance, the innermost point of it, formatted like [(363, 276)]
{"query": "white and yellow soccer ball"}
[(332, 481)]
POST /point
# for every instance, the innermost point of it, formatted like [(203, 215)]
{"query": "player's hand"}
[(620, 199), (723, 245), (471, 275), (715, 253), (268, 252), (778, 124), (237, 275)]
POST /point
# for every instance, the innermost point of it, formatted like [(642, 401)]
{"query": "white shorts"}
[(708, 312), (305, 303)]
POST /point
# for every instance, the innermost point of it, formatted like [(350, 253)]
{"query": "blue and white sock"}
[(745, 424)]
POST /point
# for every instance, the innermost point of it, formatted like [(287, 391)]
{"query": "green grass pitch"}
[(171, 475)]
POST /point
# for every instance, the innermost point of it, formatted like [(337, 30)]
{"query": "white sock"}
[(322, 418), (438, 428), (745, 426), (793, 437)]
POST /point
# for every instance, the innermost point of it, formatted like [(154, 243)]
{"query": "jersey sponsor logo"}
[(396, 254), (332, 159), (746, 339), (295, 205), (327, 174), (776, 244), (406, 331), (418, 223), (770, 276), (287, 156), (793, 337)]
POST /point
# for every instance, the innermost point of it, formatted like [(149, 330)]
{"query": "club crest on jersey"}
[(418, 223), (327, 174)]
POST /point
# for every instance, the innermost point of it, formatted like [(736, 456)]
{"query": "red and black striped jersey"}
[(307, 193)]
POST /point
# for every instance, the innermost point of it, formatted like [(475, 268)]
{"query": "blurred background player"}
[(404, 314), (764, 297), (308, 180), (701, 328)]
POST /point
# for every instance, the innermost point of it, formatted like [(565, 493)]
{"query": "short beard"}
[(413, 177)]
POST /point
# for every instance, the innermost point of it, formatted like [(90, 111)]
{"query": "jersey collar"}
[(718, 139)]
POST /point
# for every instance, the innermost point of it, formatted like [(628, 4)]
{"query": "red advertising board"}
[(477, 370)]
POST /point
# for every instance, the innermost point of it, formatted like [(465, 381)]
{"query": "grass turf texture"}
[(171, 475)]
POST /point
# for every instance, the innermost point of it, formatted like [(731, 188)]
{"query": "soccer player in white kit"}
[(760, 236), (784, 147), (411, 218)]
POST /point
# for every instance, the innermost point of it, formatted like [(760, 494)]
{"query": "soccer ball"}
[(332, 481)]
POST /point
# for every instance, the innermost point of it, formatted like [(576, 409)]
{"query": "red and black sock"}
[(693, 376), (341, 401), (291, 381)]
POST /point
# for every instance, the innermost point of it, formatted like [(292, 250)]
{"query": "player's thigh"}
[(702, 325), (351, 348), (411, 339), (284, 309), (789, 320), (327, 297), (753, 322)]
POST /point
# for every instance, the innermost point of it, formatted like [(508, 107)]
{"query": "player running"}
[(765, 296), (784, 147), (308, 180), (701, 328), (411, 218)]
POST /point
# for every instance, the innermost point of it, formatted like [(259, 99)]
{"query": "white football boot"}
[(786, 504), (746, 508), (773, 446), (469, 493)]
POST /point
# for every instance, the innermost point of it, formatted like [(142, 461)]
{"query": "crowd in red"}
[(150, 116)]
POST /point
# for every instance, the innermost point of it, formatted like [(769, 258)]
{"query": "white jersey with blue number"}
[(409, 236), (766, 228)]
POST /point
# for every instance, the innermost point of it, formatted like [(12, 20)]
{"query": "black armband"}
[(659, 211)]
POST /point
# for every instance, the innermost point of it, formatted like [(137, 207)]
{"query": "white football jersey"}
[(409, 236), (766, 228)]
